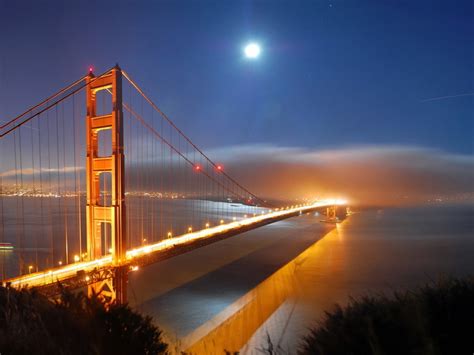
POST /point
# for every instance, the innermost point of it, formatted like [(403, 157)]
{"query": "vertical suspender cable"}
[(76, 189), (34, 189), (162, 172), (2, 219), (66, 236), (17, 207), (22, 203), (50, 195), (58, 169), (41, 180)]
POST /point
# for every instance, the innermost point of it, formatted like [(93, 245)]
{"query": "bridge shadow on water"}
[(280, 278), (196, 306)]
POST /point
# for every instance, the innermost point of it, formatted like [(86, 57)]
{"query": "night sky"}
[(332, 74)]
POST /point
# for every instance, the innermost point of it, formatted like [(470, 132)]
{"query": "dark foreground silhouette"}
[(434, 319), (76, 324)]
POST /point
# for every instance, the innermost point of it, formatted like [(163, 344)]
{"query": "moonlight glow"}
[(252, 50)]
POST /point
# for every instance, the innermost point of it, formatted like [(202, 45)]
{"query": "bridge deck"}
[(87, 272)]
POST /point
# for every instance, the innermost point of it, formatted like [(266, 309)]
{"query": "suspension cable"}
[(50, 105), (135, 85), (43, 102)]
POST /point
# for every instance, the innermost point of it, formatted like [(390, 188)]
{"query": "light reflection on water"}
[(282, 292), (373, 250)]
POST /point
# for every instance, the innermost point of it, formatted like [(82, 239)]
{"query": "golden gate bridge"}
[(96, 181)]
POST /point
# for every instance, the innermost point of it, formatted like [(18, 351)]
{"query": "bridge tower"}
[(110, 213), (331, 213)]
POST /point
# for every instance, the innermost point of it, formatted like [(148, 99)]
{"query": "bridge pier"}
[(112, 289)]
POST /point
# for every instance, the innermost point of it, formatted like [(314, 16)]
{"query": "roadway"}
[(133, 257)]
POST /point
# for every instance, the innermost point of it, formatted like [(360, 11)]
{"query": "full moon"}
[(252, 50)]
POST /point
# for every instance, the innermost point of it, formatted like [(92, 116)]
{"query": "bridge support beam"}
[(112, 289), (106, 213)]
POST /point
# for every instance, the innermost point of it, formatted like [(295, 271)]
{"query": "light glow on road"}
[(51, 276)]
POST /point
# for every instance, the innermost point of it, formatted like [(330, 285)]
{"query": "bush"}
[(434, 319), (76, 324)]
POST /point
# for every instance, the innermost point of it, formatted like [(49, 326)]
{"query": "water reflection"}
[(371, 252), (279, 279), (281, 292)]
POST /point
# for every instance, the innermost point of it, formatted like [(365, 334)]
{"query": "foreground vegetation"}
[(76, 324), (434, 319)]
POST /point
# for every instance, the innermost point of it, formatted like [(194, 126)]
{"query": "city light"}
[(76, 258)]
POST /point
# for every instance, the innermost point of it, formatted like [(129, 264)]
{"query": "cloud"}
[(31, 171), (363, 174)]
